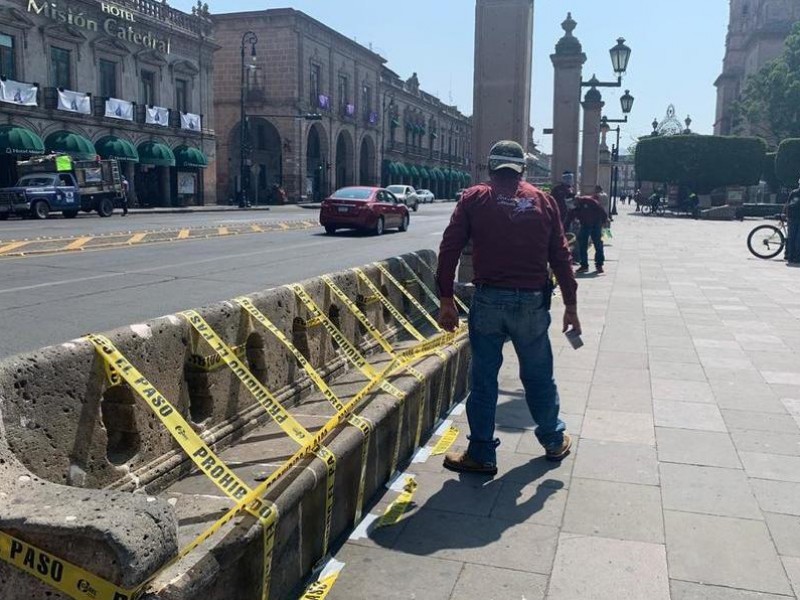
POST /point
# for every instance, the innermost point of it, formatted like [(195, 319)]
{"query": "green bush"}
[(701, 162), (787, 163)]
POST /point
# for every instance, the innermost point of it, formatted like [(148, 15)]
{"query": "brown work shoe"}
[(460, 462), (559, 453)]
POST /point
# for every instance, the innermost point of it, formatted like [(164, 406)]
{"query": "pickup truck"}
[(43, 188)]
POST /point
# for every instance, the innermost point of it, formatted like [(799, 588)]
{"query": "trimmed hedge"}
[(702, 162), (769, 173), (787, 163)]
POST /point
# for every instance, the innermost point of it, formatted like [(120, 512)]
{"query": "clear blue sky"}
[(677, 48)]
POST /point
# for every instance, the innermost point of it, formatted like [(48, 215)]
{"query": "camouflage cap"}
[(507, 154)]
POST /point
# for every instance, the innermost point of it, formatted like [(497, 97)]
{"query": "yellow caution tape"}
[(447, 440), (458, 300), (279, 414), (321, 588), (409, 295), (71, 580), (212, 362), (368, 326), (395, 511), (194, 446), (363, 425), (418, 280), (390, 307)]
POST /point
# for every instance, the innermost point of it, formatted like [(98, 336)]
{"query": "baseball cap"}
[(507, 154)]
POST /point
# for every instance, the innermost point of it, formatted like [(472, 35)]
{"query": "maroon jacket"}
[(588, 212), (515, 233)]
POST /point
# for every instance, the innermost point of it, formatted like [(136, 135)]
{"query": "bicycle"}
[(768, 241), (651, 208)]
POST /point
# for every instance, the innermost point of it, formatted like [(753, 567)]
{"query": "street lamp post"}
[(620, 57), (244, 135), (626, 103)]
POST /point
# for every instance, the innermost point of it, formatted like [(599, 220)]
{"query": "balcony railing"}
[(160, 11)]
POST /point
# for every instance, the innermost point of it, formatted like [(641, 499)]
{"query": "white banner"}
[(157, 115), (119, 109), (190, 121), (76, 102), (16, 92)]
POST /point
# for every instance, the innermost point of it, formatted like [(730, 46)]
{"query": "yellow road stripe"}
[(78, 244), (12, 246), (256, 228), (137, 238), (284, 226), (183, 234), (223, 231)]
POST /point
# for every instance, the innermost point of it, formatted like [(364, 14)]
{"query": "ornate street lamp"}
[(627, 102), (620, 56), (688, 123), (244, 135), (655, 127)]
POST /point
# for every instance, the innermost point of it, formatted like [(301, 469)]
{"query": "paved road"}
[(51, 299), (685, 405)]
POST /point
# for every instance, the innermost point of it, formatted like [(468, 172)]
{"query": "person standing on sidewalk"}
[(516, 232), (125, 190), (592, 216), (793, 228)]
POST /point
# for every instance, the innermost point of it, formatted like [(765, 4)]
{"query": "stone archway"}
[(265, 160), (315, 183), (344, 159), (366, 162)]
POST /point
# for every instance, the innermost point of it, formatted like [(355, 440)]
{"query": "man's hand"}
[(448, 315), (571, 320)]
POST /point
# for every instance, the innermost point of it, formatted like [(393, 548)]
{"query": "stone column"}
[(590, 164), (502, 77), (604, 176), (568, 63)]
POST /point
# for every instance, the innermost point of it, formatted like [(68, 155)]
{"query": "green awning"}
[(402, 171), (77, 146), (412, 170), (19, 141), (424, 173), (114, 147), (190, 158), (451, 174), (438, 173), (393, 169), (395, 123), (153, 153)]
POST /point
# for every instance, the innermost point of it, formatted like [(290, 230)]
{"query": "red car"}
[(366, 208)]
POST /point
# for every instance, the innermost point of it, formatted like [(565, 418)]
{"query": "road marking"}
[(284, 226), (256, 228), (183, 234), (222, 231), (137, 238), (79, 243), (12, 246)]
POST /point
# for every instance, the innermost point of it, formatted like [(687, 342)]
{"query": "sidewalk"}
[(685, 482), (201, 209)]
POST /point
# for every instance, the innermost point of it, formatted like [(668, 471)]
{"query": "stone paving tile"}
[(782, 377), (612, 461), (478, 582), (777, 496), (464, 494), (767, 443), (792, 566), (480, 540), (528, 444), (375, 573), (683, 590), (537, 503), (688, 415), (618, 426), (785, 530), (615, 510), (705, 448), (771, 466), (594, 568), (746, 420), (682, 391), (633, 398), (678, 355), (751, 375), (723, 551), (679, 371), (708, 490)]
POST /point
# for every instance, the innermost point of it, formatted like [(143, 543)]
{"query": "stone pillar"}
[(502, 76), (590, 163), (568, 63), (604, 176)]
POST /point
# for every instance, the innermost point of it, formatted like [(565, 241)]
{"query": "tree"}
[(770, 102), (701, 162), (787, 163)]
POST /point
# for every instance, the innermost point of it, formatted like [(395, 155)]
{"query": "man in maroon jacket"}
[(516, 232), (592, 216)]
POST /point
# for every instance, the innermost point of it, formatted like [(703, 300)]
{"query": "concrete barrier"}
[(88, 473)]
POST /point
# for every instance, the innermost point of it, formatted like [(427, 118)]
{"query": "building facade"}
[(757, 31), (129, 79), (426, 143), (322, 111)]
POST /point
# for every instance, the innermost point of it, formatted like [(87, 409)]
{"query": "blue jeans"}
[(595, 232), (793, 241), (495, 316)]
